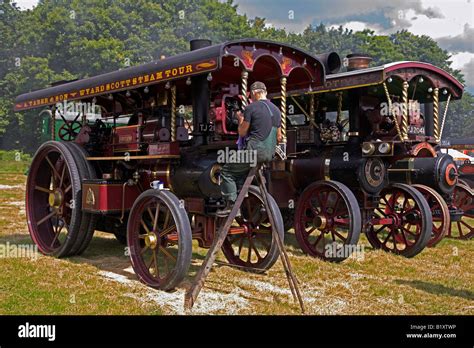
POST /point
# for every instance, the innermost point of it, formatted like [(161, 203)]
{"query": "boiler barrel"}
[(196, 176), (438, 172)]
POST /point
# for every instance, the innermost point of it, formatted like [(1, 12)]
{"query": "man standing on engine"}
[(260, 127)]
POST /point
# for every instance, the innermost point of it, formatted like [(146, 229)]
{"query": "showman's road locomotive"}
[(377, 130), (140, 135), (144, 163)]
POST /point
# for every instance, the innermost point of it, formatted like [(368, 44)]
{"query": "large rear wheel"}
[(53, 199), (159, 239), (89, 221), (250, 243)]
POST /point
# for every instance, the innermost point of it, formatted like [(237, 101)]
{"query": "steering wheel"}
[(69, 130)]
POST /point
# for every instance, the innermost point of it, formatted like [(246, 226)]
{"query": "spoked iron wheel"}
[(402, 222), (53, 199), (159, 239), (250, 243), (439, 213), (463, 226), (327, 221), (88, 220)]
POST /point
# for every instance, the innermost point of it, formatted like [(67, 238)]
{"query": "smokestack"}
[(358, 61), (331, 62), (201, 96)]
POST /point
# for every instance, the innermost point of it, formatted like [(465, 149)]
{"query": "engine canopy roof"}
[(264, 60)]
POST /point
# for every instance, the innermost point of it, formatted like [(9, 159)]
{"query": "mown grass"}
[(440, 280), (14, 162)]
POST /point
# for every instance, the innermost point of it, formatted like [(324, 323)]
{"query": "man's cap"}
[(258, 85)]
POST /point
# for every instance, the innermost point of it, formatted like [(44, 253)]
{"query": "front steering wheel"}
[(69, 130)]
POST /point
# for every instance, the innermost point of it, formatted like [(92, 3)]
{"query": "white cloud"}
[(463, 42), (456, 14), (359, 26), (468, 71), (26, 4), (461, 59)]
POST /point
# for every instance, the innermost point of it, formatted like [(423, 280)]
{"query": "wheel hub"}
[(151, 240), (412, 217), (56, 198), (320, 222)]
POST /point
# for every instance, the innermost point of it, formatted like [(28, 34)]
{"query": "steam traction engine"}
[(99, 176), (366, 129)]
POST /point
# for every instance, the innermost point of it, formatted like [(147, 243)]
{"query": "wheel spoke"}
[(388, 236), (249, 255), (167, 253), (252, 244), (380, 229), (167, 230), (318, 239), (167, 219), (410, 232), (56, 236), (46, 218), (155, 257), (310, 231), (145, 226), (155, 221), (459, 229), (241, 244), (340, 236), (404, 237), (61, 180), (465, 224), (42, 189), (152, 260), (55, 172), (144, 249)]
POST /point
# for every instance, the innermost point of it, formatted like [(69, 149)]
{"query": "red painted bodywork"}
[(104, 197)]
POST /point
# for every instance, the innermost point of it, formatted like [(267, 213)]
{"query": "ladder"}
[(193, 292)]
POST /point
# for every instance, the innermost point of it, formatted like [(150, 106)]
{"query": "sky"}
[(449, 22)]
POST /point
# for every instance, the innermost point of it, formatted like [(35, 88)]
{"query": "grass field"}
[(437, 281)]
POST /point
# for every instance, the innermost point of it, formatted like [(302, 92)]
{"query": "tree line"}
[(69, 39)]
